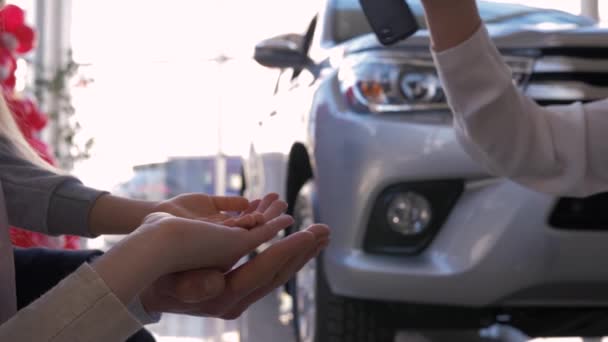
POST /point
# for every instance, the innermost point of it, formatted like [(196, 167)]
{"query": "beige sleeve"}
[(558, 150), (80, 308)]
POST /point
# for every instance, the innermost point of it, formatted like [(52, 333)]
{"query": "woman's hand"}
[(177, 292), (192, 244), (212, 294), (451, 22), (166, 244)]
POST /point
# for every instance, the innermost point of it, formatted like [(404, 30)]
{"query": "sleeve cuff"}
[(80, 308), (138, 311), (70, 208)]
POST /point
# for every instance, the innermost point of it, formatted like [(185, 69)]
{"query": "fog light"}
[(409, 213)]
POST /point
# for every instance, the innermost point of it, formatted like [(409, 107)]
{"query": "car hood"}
[(505, 36)]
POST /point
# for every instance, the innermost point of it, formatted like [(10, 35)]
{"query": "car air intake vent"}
[(581, 213), (567, 75), (580, 52)]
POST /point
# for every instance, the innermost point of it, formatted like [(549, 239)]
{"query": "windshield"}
[(349, 20)]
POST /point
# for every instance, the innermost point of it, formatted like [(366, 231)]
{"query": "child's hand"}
[(218, 209), (259, 212)]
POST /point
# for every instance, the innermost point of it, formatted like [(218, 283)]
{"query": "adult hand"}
[(451, 22), (201, 284), (166, 244), (213, 294)]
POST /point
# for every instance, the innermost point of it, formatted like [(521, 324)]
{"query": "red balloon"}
[(11, 18), (10, 82), (8, 64), (26, 37)]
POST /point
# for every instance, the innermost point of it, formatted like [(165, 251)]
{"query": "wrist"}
[(451, 22), (118, 215), (143, 313), (148, 300), (133, 264)]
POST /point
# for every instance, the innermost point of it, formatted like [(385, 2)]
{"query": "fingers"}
[(256, 273), (320, 231), (253, 206), (230, 203), (289, 269), (259, 271), (266, 232), (267, 201), (193, 286), (275, 209), (243, 222), (261, 211), (259, 219), (247, 221), (281, 277)]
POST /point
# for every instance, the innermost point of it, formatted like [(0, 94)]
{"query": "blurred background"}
[(160, 96)]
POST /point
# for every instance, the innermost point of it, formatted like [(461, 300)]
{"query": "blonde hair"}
[(10, 131)]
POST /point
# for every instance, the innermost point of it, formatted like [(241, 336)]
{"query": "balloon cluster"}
[(17, 39)]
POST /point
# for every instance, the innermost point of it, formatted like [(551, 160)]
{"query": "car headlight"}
[(393, 82)]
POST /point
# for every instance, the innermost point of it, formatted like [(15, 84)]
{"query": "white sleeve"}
[(558, 150)]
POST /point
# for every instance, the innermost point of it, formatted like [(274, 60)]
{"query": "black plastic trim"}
[(582, 214)]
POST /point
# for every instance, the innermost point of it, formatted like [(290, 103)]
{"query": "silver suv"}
[(423, 238)]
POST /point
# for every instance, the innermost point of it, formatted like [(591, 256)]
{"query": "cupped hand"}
[(212, 293), (166, 244), (221, 209), (188, 244)]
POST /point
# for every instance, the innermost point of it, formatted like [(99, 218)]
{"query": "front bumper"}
[(495, 245)]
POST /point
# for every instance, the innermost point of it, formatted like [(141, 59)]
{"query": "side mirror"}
[(281, 52)]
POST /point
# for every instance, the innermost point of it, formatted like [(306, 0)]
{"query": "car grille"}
[(567, 75)]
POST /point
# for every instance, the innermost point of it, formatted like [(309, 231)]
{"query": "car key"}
[(391, 20)]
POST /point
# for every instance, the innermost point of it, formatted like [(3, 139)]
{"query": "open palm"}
[(223, 210)]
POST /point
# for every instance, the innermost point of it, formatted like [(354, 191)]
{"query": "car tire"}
[(334, 318)]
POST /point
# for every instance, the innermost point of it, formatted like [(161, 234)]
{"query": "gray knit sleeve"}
[(41, 200)]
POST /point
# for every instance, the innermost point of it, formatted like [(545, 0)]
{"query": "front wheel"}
[(318, 314)]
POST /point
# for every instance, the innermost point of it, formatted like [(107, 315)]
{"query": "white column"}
[(53, 21), (590, 8), (220, 158)]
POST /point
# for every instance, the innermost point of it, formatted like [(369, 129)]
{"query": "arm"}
[(72, 311), (558, 150), (37, 270), (162, 246), (116, 215), (51, 203), (41, 200)]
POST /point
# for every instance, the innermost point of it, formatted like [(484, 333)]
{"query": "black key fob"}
[(391, 20)]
